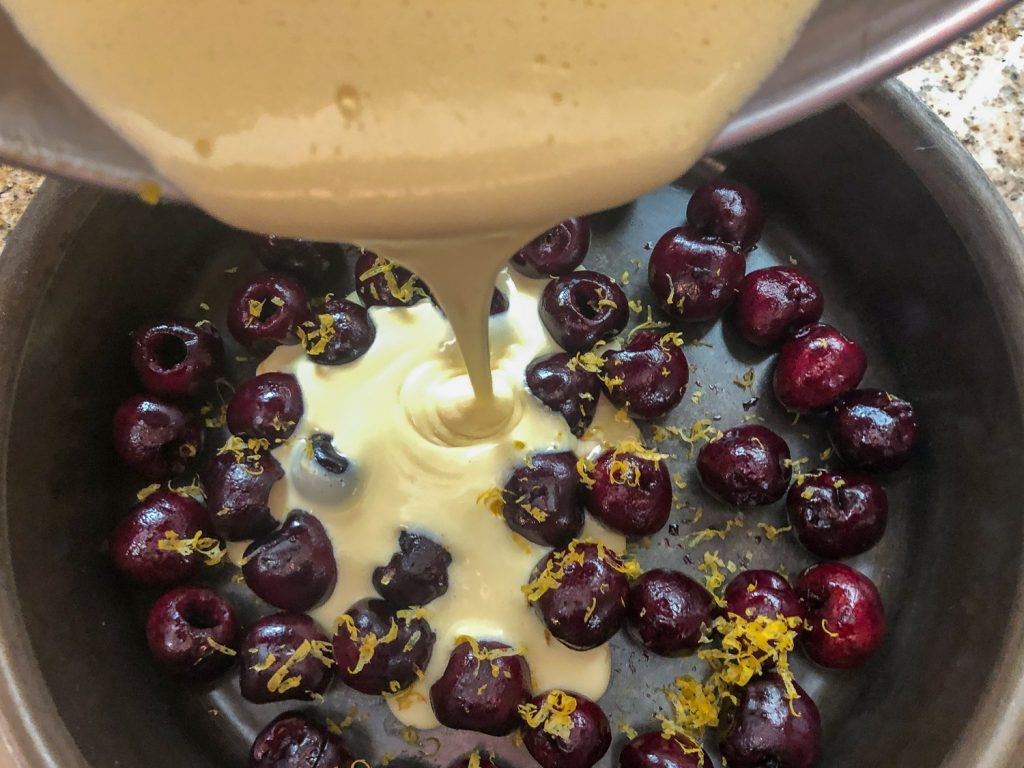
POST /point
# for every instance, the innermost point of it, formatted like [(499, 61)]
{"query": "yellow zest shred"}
[(647, 325), (746, 381), (474, 760), (403, 292), (315, 341), (590, 609), (204, 306), (625, 278), (208, 547), (627, 729), (622, 415), (826, 630), (825, 455), (411, 736), (584, 467), (255, 307), (679, 482), (701, 431), (695, 707), (367, 643), (807, 493), (493, 499), (771, 532), (148, 491), (221, 648), (636, 305), (572, 555), (711, 567), (553, 716), (674, 339), (264, 665), (696, 397), (707, 534)]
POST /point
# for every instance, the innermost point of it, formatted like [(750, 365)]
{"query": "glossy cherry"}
[(339, 332), (816, 367), (648, 375), (630, 491), (873, 430), (177, 358), (838, 515), (588, 737), (583, 308), (417, 574), (694, 277), (580, 593), (747, 467), (765, 594), (298, 740), (320, 472), (775, 302), (766, 728), (557, 252), (156, 438), (291, 639), (845, 618), (237, 493), (668, 611), (266, 406), (482, 688), (135, 542), (566, 387), (379, 282), (307, 260), (401, 650), (265, 311), (293, 567), (193, 631), (654, 750), (542, 499), (727, 210)]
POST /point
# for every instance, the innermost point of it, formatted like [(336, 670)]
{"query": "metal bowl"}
[(845, 48), (918, 259)]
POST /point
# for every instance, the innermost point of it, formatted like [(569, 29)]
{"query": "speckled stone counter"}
[(976, 86)]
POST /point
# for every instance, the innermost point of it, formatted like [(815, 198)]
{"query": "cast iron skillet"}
[(918, 259)]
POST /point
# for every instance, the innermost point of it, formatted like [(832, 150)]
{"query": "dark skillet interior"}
[(895, 276)]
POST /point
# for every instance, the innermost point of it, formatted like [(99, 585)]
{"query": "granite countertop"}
[(976, 86)]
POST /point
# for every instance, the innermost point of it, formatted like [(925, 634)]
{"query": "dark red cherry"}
[(838, 515), (564, 385), (305, 259), (482, 688), (845, 618), (379, 282), (648, 375), (557, 252), (416, 575), (565, 730), (266, 310), (580, 593), (339, 332), (542, 499), (291, 642), (193, 632), (321, 473), (694, 278), (873, 430), (654, 750), (401, 642), (765, 594), (266, 406), (583, 308), (630, 490), (177, 358), (747, 467), (773, 303), (816, 367), (293, 567), (156, 438), (727, 210), (237, 491), (767, 728), (668, 611), (135, 543), (298, 740)]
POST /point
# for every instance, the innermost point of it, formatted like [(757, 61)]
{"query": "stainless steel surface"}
[(846, 47), (918, 259)]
